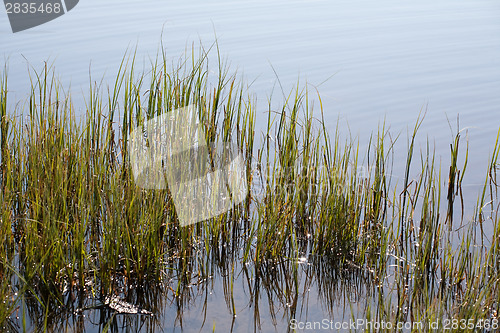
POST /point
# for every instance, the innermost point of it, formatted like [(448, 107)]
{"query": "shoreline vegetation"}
[(78, 236)]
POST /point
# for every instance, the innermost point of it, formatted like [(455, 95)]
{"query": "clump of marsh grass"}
[(77, 228), (81, 224), (6, 235)]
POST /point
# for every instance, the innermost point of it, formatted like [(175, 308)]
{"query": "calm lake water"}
[(371, 60)]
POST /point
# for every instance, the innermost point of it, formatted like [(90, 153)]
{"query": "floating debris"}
[(120, 306), (302, 260)]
